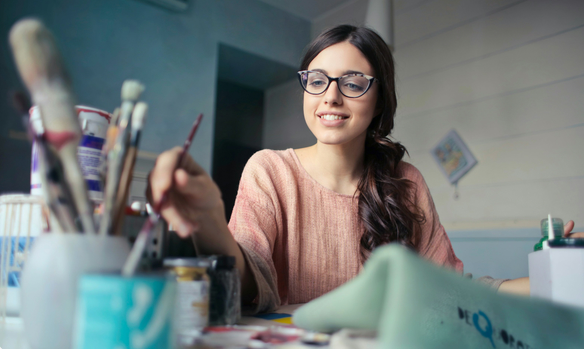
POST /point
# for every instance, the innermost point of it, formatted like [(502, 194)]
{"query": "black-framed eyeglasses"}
[(350, 85)]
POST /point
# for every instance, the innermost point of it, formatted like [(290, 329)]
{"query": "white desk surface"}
[(12, 333)]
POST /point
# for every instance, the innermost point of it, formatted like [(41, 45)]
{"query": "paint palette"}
[(281, 318)]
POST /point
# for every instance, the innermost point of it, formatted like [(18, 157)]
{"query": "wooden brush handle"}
[(123, 191), (40, 66)]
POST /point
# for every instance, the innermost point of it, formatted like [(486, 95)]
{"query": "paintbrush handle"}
[(40, 66), (181, 157), (124, 189)]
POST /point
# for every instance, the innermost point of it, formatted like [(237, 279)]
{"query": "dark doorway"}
[(242, 80), (238, 135)]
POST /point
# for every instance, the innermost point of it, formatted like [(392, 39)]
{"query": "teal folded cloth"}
[(413, 303)]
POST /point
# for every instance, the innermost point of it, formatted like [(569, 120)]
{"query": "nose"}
[(332, 95)]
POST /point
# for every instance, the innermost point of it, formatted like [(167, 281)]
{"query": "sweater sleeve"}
[(254, 226), (490, 282), (434, 242)]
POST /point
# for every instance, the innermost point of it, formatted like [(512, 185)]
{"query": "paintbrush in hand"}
[(145, 233), (41, 69)]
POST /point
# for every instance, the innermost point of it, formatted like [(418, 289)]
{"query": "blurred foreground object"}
[(41, 69), (21, 220), (413, 303)]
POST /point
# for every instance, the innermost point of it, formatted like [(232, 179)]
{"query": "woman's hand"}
[(192, 195), (194, 207), (568, 231)]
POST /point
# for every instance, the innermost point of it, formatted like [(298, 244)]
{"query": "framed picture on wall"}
[(453, 157)]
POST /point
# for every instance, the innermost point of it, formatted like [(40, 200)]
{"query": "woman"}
[(306, 219)]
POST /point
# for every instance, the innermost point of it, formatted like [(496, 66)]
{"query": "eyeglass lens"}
[(349, 85)]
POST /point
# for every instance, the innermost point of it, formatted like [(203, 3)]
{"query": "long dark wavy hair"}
[(387, 205)]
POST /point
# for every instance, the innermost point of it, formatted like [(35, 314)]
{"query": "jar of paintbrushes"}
[(79, 248)]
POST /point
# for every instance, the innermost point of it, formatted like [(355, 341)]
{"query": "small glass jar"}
[(557, 226), (192, 299)]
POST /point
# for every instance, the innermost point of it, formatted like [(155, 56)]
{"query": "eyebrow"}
[(346, 72)]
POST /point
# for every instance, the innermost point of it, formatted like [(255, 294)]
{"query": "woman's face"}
[(355, 113)]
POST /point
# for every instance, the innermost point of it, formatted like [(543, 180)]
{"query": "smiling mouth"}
[(332, 117)]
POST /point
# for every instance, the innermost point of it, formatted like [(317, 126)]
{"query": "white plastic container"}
[(21, 220), (49, 282), (94, 123), (557, 274)]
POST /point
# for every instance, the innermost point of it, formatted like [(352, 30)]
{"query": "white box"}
[(557, 274)]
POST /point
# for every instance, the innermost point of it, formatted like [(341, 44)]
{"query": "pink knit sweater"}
[(301, 240)]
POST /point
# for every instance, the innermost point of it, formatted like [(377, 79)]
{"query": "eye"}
[(353, 86), (316, 83), (355, 83)]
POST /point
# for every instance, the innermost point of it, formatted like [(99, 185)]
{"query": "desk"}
[(12, 334)]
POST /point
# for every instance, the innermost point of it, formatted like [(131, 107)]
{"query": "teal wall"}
[(174, 54)]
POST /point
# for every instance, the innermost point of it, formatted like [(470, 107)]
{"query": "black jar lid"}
[(224, 262), (566, 243), (187, 262)]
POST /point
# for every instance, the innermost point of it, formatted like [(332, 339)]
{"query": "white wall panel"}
[(535, 110), (431, 17), (511, 83), (403, 6), (353, 12), (504, 30), (523, 200), (545, 61)]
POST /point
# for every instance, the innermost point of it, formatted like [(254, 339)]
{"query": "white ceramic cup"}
[(49, 282)]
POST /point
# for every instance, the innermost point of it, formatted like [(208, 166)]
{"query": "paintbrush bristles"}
[(35, 52), (139, 115), (131, 90)]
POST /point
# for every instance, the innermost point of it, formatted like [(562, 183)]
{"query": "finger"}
[(568, 228), (183, 227), (182, 180), (191, 166), (575, 236), (161, 176), (201, 188), (193, 186)]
